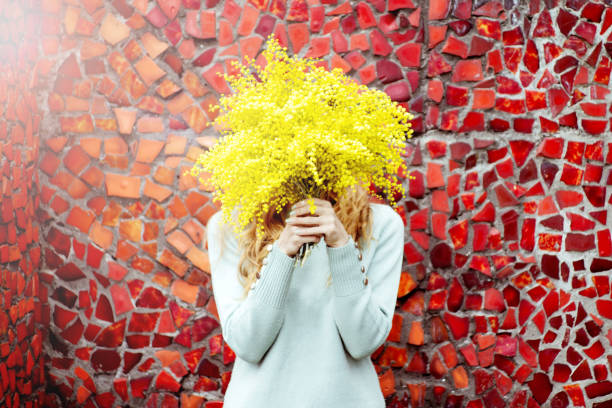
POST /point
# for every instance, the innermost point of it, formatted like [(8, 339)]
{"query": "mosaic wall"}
[(505, 298), (21, 337)]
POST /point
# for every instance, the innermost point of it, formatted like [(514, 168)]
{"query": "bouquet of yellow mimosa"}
[(293, 130)]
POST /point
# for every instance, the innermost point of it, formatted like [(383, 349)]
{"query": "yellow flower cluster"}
[(292, 130)]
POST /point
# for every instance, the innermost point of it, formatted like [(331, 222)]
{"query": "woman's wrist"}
[(339, 243), (283, 249)]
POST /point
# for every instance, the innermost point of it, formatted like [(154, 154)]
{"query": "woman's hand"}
[(323, 222), (294, 236)]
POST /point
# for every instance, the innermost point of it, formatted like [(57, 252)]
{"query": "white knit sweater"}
[(301, 344)]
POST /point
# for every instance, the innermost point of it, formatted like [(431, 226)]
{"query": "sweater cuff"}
[(275, 277), (345, 268)]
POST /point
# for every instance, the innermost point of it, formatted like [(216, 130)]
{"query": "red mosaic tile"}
[(513, 106), (480, 46), (455, 46), (470, 70), (456, 96), (409, 55), (488, 28), (437, 65)]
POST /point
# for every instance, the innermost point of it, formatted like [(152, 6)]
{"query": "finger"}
[(297, 209), (301, 210), (296, 205), (304, 231), (300, 203), (305, 220), (304, 209), (321, 202), (309, 238), (317, 201)]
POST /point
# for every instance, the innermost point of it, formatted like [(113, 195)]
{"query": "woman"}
[(303, 335)]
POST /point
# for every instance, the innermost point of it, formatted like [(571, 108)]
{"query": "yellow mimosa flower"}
[(293, 130)]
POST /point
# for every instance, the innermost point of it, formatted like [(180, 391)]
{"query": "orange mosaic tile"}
[(150, 249), (250, 46), (132, 50), (194, 230), (195, 118), (149, 124), (249, 18), (136, 22), (133, 85), (113, 30), (71, 17), (184, 291), (230, 51), (125, 250), (148, 70), (179, 103), (92, 49), (151, 231), (101, 236), (151, 104), (171, 223), (177, 207), (416, 335), (225, 36), (156, 191), (118, 62), (115, 145), (140, 169), (187, 48), (59, 205), (167, 88), (167, 357), (126, 119), (56, 143), (77, 124), (193, 153), (122, 186), (148, 150), (152, 45), (109, 125), (173, 262), (62, 179), (179, 240), (460, 378), (73, 104), (131, 230), (208, 24), (164, 175), (207, 104), (93, 176), (76, 159)]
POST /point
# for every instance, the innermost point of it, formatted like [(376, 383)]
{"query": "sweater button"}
[(362, 269), (365, 282), (258, 275), (269, 247), (360, 257)]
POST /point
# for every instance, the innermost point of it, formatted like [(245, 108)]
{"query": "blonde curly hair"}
[(352, 209)]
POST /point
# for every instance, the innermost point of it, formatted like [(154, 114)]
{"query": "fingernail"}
[(292, 213)]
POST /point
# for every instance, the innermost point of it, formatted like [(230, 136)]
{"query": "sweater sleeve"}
[(364, 313), (249, 326)]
